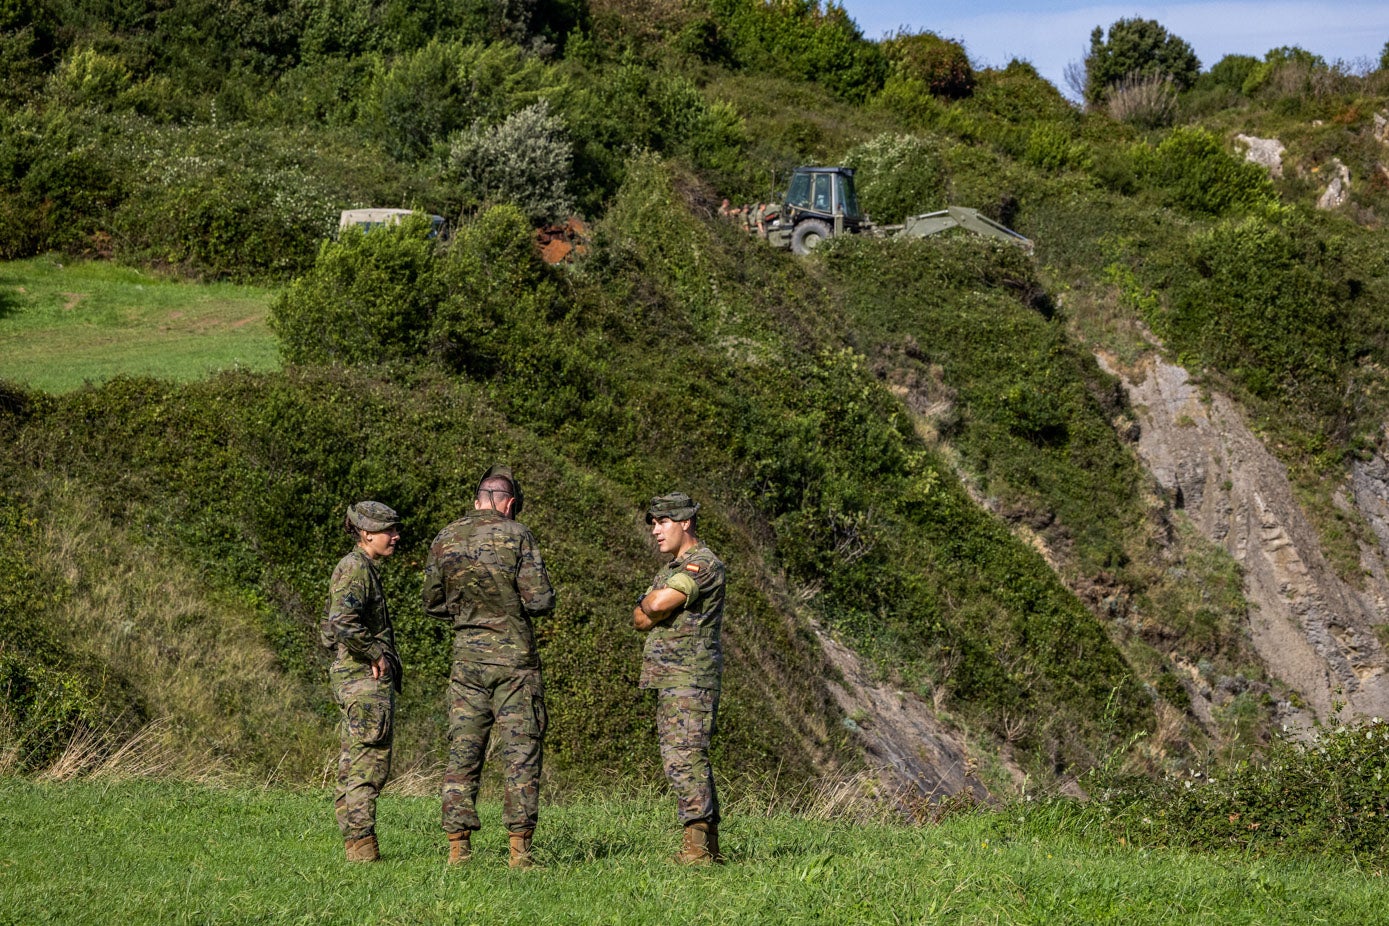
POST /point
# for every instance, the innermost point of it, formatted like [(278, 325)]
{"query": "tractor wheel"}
[(808, 235)]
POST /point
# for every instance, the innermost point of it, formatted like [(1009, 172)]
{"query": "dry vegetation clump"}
[(200, 674)]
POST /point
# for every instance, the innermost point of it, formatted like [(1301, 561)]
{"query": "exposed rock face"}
[(1314, 632), (1381, 129), (1266, 152), (1337, 188), (915, 754)]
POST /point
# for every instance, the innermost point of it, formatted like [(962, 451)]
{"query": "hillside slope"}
[(941, 512)]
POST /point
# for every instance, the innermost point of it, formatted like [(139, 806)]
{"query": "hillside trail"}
[(1314, 632)]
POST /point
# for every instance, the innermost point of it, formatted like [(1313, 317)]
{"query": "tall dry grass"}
[(209, 696), (1149, 102)]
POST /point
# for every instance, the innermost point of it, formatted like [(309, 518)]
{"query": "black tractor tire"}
[(808, 235)]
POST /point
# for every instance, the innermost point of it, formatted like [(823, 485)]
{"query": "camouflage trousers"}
[(685, 727), (368, 713), (481, 696)]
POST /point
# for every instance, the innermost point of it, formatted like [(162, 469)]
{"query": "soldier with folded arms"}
[(682, 615)]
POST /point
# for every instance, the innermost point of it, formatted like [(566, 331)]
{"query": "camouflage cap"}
[(371, 516), (677, 506)]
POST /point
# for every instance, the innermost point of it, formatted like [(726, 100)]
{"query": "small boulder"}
[(1337, 188), (1266, 152)]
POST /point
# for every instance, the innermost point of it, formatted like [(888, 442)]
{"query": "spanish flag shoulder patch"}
[(692, 567)]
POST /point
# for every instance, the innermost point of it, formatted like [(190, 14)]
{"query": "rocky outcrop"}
[(1337, 187), (1266, 152), (1315, 633), (912, 754)]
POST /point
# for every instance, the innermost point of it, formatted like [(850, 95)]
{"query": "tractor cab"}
[(820, 203), (823, 193)]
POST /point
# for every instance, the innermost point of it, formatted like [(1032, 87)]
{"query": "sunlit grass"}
[(145, 851), (63, 323)]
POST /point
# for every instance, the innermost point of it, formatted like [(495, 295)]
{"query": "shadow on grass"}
[(9, 302)]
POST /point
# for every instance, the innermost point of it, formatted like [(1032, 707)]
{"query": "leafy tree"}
[(1140, 47), (1287, 68), (939, 64), (1231, 72), (1384, 58)]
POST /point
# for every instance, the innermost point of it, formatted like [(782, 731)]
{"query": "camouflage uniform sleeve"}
[(532, 582), (705, 575), (348, 598), (434, 596)]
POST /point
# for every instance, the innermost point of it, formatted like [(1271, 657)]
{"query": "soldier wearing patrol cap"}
[(365, 674), (485, 577), (682, 615)]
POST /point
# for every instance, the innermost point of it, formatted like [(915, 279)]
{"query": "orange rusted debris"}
[(559, 243)]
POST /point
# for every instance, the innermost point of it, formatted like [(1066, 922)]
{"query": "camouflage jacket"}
[(685, 650), (484, 575), (358, 623)]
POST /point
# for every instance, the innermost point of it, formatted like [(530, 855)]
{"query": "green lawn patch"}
[(142, 851), (66, 323)]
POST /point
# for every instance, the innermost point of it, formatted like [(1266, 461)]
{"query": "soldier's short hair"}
[(500, 484)]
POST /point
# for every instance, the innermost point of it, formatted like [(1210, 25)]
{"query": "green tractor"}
[(821, 202)]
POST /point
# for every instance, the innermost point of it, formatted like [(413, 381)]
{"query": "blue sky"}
[(1052, 34)]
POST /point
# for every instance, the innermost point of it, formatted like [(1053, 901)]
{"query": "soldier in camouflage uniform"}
[(365, 674), (682, 615), (485, 576)]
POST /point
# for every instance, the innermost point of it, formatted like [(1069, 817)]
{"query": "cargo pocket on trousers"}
[(369, 722), (542, 717)]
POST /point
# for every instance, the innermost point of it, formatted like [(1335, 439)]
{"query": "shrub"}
[(898, 176), (221, 203), (618, 111), (1136, 48), (1327, 794), (427, 95), (1018, 94), (1051, 148), (57, 179), (1195, 172), (803, 39), (496, 291), (939, 64), (86, 77), (368, 298), (27, 41), (1262, 306), (45, 697), (525, 160)]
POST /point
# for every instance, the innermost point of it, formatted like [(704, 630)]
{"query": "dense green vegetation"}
[(194, 853), (877, 433)]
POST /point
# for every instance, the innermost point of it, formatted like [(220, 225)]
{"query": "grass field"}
[(146, 851), (63, 323)]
